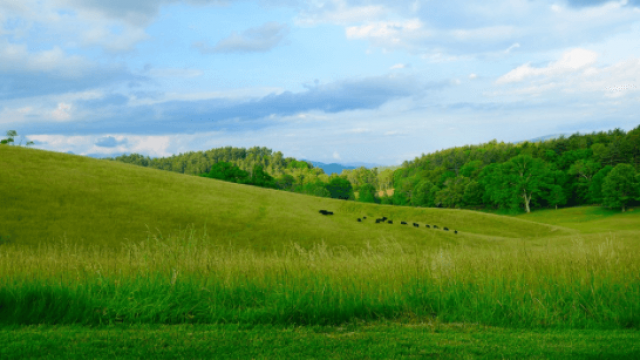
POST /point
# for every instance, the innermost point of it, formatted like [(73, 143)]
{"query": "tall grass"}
[(181, 279)]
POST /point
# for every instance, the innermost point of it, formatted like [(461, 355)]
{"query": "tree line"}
[(258, 166), (597, 168)]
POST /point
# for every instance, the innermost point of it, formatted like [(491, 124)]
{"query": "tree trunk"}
[(556, 206), (526, 201), (623, 208)]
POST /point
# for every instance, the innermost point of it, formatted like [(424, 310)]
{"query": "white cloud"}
[(259, 39), (101, 35), (359, 131), (514, 46), (62, 112), (386, 32), (400, 66), (149, 145), (572, 60), (16, 57), (473, 76), (338, 12), (336, 155), (180, 73)]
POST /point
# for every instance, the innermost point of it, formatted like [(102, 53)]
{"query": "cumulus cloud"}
[(241, 114), (259, 39), (572, 60), (25, 74)]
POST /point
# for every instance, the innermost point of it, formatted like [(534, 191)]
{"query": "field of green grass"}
[(98, 254)]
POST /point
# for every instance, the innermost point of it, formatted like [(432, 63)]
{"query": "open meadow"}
[(101, 259)]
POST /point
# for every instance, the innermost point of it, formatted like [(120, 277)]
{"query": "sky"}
[(333, 81)]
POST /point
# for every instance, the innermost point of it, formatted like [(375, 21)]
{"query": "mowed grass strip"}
[(354, 341), (183, 279), (48, 196)]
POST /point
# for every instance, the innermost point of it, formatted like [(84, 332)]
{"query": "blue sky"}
[(332, 81)]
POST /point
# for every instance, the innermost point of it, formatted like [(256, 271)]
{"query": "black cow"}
[(416, 225), (455, 231), (384, 218), (364, 217), (403, 223), (435, 226), (325, 212), (377, 221), (359, 220), (445, 228), (428, 227), (390, 221)]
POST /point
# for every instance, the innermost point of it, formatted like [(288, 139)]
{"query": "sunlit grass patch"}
[(182, 279)]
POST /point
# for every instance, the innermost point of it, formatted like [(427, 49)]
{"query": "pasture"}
[(100, 255)]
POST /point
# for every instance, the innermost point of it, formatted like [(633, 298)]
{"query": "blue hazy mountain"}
[(335, 168), (329, 169)]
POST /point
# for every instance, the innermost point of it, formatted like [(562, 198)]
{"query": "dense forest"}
[(597, 168)]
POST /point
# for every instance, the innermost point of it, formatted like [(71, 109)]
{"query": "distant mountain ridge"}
[(335, 168)]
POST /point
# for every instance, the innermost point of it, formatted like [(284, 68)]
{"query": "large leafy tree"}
[(452, 194), (518, 180), (595, 189), (620, 187), (340, 188), (583, 172)]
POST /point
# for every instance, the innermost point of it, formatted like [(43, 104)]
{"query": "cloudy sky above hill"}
[(333, 81)]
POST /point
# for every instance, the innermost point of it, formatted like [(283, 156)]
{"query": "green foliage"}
[(340, 188), (473, 193), (260, 178), (522, 178), (422, 194), (285, 182), (595, 188), (228, 172), (620, 187), (452, 193), (367, 194), (11, 134)]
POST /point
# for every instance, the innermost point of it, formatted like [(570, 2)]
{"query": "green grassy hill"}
[(48, 196)]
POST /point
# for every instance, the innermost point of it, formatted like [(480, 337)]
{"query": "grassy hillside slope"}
[(588, 219), (49, 196)]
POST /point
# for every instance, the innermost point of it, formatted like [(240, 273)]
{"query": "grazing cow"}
[(455, 231), (445, 228), (403, 223), (325, 212), (416, 225), (428, 227), (359, 220), (390, 221), (364, 217), (435, 226), (384, 218), (377, 221)]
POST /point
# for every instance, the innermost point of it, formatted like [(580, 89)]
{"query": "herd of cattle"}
[(384, 218)]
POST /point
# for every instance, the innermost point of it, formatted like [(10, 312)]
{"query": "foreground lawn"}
[(392, 340)]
